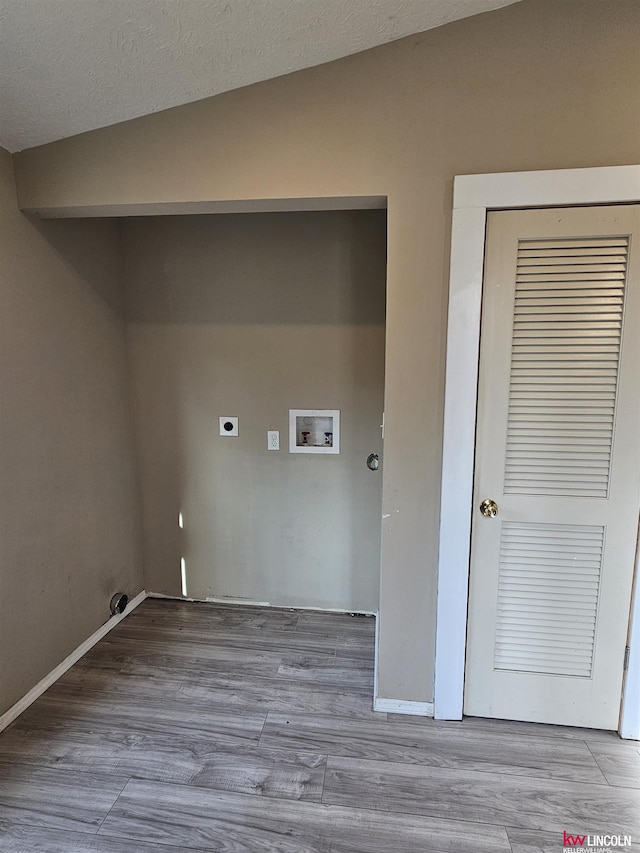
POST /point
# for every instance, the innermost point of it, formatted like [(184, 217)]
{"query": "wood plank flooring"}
[(227, 729)]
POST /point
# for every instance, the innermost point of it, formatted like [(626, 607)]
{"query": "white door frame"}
[(473, 195)]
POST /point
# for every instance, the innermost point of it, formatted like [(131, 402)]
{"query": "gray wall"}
[(69, 520), (541, 84), (251, 315)]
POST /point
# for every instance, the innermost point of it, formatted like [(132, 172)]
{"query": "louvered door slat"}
[(589, 242), (569, 294), (546, 619), (593, 348)]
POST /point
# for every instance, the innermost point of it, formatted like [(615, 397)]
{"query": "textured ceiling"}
[(68, 66)]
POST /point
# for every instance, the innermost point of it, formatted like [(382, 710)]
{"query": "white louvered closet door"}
[(558, 450)]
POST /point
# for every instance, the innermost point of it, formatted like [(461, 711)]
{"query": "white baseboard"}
[(376, 656), (400, 706), (22, 704), (246, 602)]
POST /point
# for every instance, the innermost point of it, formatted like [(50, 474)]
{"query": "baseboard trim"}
[(376, 656), (400, 706), (28, 699), (245, 602)]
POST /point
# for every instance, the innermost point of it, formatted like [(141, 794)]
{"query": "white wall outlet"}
[(273, 439), (228, 426)]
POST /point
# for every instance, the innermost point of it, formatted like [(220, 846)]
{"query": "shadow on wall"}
[(196, 269), (87, 246)]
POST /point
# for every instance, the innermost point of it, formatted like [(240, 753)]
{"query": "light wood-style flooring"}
[(200, 727)]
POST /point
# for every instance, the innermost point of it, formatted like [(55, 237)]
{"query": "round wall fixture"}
[(118, 603), (373, 461), (228, 425)]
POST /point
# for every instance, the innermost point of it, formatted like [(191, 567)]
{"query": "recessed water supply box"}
[(314, 431)]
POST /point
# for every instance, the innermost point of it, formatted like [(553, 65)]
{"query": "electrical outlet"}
[(228, 426), (273, 439)]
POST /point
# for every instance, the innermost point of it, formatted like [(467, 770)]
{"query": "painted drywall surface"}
[(249, 316), (69, 530), (538, 85)]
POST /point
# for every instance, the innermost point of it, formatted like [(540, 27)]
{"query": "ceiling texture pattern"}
[(68, 66)]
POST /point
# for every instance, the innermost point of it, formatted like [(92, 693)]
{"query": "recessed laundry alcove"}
[(252, 315)]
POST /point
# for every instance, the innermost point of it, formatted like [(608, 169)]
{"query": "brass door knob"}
[(489, 508)]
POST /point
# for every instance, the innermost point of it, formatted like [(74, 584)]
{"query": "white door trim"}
[(473, 195)]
